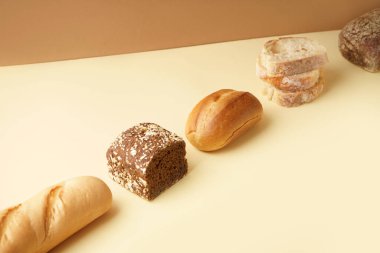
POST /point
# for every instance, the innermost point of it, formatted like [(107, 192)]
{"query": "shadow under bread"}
[(87, 230)]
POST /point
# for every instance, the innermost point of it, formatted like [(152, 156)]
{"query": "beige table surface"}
[(306, 179)]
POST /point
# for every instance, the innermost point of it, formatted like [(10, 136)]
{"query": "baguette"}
[(40, 223), (297, 82), (289, 56), (221, 117), (293, 99)]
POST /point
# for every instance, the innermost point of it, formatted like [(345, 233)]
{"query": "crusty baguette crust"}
[(287, 67), (40, 223), (293, 99), (297, 82), (221, 117)]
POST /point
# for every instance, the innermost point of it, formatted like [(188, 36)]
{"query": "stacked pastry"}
[(292, 70)]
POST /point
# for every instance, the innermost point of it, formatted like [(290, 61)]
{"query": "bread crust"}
[(287, 67), (293, 99), (221, 117), (359, 41), (297, 82), (43, 221)]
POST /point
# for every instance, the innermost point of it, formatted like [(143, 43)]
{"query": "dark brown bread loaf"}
[(147, 159), (359, 41)]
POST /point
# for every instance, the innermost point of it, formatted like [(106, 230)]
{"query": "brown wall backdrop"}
[(48, 30)]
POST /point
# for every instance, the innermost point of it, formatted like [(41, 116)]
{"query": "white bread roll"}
[(288, 56), (221, 117), (40, 223)]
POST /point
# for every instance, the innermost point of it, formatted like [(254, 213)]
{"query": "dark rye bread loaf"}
[(147, 159), (359, 41)]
